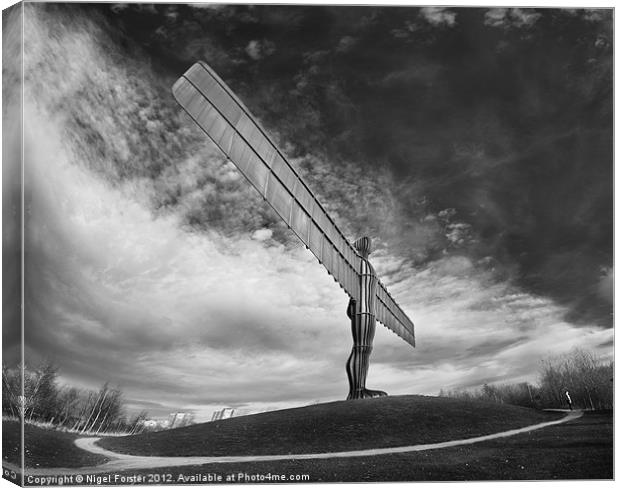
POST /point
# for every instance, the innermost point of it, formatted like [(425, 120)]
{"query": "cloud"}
[(594, 15), (172, 12), (146, 295), (507, 333), (155, 266), (511, 17), (138, 7), (260, 49), (118, 7), (606, 285), (210, 6), (262, 234), (421, 73), (438, 16), (524, 18), (11, 184), (345, 44)]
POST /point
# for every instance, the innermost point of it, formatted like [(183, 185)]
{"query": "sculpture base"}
[(364, 393)]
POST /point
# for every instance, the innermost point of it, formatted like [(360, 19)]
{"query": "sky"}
[(474, 145)]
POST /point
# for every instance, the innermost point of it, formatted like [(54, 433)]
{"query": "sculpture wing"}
[(392, 316), (230, 125)]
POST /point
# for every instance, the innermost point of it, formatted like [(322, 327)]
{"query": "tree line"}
[(588, 380), (64, 407)]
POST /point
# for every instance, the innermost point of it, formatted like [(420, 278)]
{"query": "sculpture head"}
[(363, 246)]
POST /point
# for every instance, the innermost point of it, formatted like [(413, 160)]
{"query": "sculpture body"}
[(362, 314)]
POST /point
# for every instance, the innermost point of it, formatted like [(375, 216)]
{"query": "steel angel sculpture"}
[(229, 124)]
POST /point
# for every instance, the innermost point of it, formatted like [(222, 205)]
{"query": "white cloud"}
[(511, 17), (262, 234), (135, 297), (260, 49), (470, 331), (212, 6), (438, 16), (593, 15), (524, 17), (496, 17), (346, 43)]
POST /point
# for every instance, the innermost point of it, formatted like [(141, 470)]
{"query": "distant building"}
[(180, 419), (224, 413), (174, 420), (150, 424), (228, 412)]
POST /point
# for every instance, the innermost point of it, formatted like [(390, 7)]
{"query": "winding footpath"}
[(123, 462)]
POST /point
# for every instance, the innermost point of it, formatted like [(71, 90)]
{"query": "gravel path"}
[(124, 462)]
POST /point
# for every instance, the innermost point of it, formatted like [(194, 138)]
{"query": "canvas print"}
[(306, 243)]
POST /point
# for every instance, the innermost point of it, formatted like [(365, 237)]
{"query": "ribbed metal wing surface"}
[(229, 124), (392, 316)]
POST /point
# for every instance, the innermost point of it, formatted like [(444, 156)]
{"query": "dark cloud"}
[(514, 137)]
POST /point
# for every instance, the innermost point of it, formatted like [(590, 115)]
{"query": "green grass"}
[(337, 426), (580, 449), (44, 448)]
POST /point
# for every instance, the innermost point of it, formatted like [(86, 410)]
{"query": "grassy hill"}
[(337, 426), (578, 450), (44, 447)]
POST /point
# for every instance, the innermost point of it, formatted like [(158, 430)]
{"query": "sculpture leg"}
[(363, 331)]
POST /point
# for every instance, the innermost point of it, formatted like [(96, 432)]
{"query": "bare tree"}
[(62, 406), (11, 391), (68, 405), (136, 425), (586, 377)]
